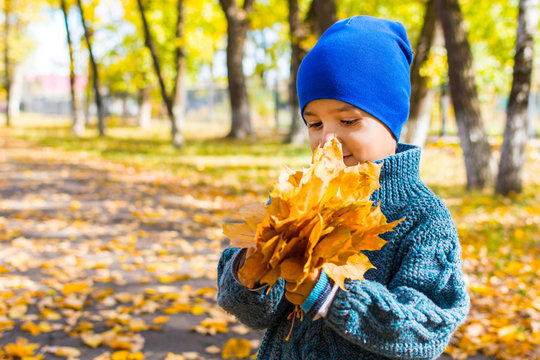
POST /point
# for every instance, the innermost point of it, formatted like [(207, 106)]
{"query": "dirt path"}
[(87, 246), (153, 241)]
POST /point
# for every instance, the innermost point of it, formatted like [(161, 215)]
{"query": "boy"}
[(354, 85)]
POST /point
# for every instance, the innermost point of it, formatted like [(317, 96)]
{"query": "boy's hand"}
[(302, 292)]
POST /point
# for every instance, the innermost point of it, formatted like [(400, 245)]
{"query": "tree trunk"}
[(210, 100), (7, 11), (445, 105), (276, 103), (473, 137), (15, 91), (320, 16), (179, 90), (298, 32), (237, 27), (145, 107), (531, 114), (157, 67), (325, 13), (78, 119), (510, 176), (416, 129), (88, 99), (95, 74)]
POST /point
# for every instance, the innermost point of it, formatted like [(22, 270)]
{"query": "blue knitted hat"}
[(363, 61)]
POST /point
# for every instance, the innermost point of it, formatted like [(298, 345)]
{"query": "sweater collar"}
[(399, 173)]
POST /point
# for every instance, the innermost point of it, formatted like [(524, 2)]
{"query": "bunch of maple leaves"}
[(320, 217)]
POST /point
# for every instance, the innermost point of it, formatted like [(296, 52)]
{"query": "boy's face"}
[(362, 137)]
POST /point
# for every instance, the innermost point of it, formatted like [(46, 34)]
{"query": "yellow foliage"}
[(91, 339), (161, 319), (136, 325), (198, 310), (176, 308), (32, 328), (17, 311), (21, 348), (216, 324), (126, 355), (236, 349), (318, 218), (66, 351), (75, 287)]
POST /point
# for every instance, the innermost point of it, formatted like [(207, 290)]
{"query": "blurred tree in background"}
[(510, 176), (16, 46)]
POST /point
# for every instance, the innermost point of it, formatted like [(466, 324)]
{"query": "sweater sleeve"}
[(256, 309), (415, 315)]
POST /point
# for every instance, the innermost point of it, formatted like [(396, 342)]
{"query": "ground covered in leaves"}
[(98, 260), (103, 259)]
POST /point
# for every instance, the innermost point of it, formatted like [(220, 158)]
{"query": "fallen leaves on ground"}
[(236, 349), (70, 218), (501, 246), (102, 256)]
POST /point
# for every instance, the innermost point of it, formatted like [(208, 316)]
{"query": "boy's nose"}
[(327, 136)]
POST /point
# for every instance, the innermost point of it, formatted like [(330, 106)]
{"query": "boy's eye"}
[(314, 125), (349, 122)]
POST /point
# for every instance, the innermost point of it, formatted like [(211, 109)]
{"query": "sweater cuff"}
[(317, 296), (237, 263)]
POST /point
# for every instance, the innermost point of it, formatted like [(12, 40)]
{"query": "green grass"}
[(207, 155)]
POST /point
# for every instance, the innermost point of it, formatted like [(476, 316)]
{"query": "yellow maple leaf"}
[(32, 328), (45, 327), (67, 351), (91, 339), (217, 324), (126, 355), (161, 319), (17, 311), (21, 348), (236, 349), (244, 233), (172, 356), (137, 325), (356, 264), (75, 287)]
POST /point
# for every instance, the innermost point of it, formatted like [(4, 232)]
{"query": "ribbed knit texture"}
[(321, 285), (407, 308)]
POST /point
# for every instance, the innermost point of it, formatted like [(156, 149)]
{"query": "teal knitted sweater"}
[(407, 308)]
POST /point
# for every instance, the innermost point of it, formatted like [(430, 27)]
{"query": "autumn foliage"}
[(320, 217)]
